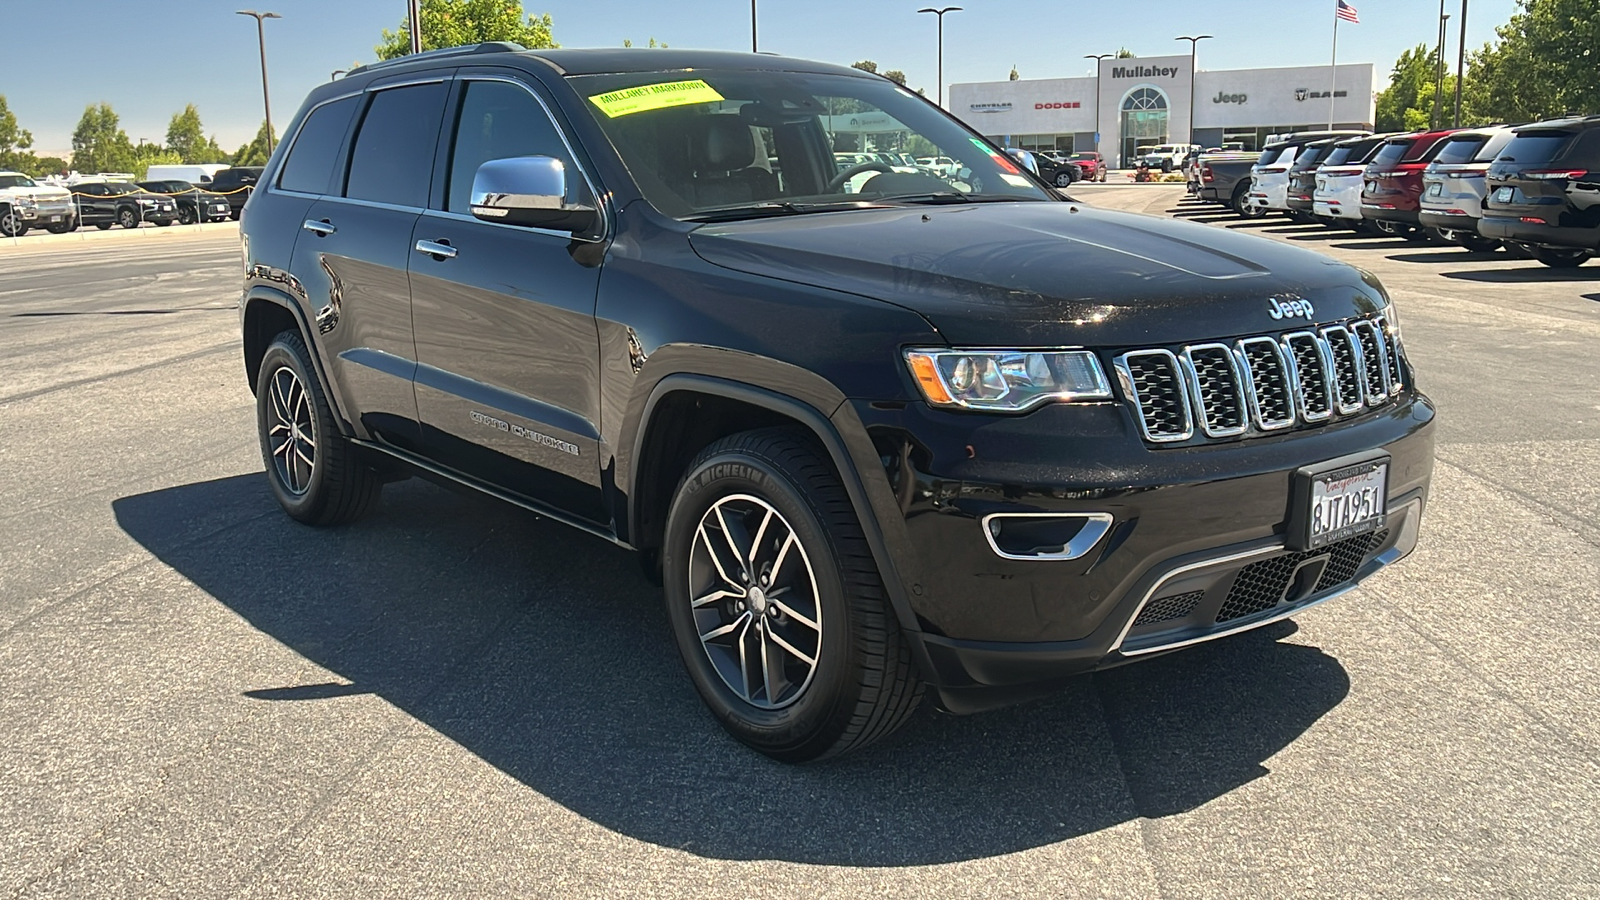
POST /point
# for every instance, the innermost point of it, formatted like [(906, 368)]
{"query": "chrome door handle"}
[(436, 249), (320, 229)]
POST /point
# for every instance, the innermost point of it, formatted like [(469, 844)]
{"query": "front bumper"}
[(993, 629), (46, 212)]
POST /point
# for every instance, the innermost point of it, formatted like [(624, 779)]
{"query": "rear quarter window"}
[(1458, 151), (1390, 153), (312, 156), (1536, 147)]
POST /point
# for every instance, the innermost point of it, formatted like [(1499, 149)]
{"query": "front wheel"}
[(11, 224), (1063, 179), (776, 603), (1560, 258), (128, 217), (317, 475), (187, 215)]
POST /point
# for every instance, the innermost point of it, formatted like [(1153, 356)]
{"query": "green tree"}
[(1542, 64), (256, 153), (1014, 73), (43, 166), (186, 137), (1407, 103), (896, 76), (865, 65), (1124, 53), (654, 44), (452, 23), (99, 144), (14, 139)]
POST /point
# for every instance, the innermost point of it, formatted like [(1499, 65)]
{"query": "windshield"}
[(1535, 147), (1459, 150), (770, 142), (15, 181), (123, 187), (1079, 157)]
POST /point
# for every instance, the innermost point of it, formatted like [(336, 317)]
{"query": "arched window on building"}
[(1144, 122)]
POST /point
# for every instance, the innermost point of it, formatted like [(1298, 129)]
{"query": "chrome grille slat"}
[(1266, 383), (1392, 344), (1345, 353), (1215, 380), (1155, 384), (1308, 362), (1374, 363)]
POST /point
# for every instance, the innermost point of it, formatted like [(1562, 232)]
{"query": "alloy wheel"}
[(754, 601), (292, 431), (10, 224)]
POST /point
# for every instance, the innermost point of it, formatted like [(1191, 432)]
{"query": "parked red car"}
[(1094, 168), (1391, 195)]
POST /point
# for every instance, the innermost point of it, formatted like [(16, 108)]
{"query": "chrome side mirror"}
[(529, 191)]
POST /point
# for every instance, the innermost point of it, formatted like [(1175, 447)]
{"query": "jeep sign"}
[(1230, 98)]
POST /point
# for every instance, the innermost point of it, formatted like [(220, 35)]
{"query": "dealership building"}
[(1144, 101)]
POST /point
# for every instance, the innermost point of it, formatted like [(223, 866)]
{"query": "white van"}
[(197, 174)]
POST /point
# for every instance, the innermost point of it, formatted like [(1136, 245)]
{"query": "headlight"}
[(1006, 380), (27, 203), (144, 202)]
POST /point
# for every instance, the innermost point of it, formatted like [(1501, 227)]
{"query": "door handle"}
[(440, 250), (320, 229)]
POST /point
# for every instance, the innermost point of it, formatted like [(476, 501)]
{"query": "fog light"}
[(1045, 536)]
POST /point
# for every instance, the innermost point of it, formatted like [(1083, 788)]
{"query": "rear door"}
[(351, 256), (508, 380)]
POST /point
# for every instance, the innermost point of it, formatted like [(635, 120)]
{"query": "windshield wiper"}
[(942, 197), (772, 208)]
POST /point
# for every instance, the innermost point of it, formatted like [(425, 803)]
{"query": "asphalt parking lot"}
[(199, 697)]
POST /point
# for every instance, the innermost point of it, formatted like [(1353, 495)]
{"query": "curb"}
[(146, 232)]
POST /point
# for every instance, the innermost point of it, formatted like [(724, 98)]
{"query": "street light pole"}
[(1461, 59), (753, 27), (414, 24), (1097, 57), (261, 37), (1194, 43), (1436, 116), (940, 13)]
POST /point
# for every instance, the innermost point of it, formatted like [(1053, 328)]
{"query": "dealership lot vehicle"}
[(1303, 179), (236, 184), (194, 174), (1093, 165), (1224, 177), (194, 204), (25, 204), (1391, 189), (106, 203), (813, 586), (1544, 191), (1168, 157), (1453, 186), (1269, 177), (1339, 180)]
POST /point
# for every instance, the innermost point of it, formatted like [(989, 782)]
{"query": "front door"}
[(507, 381)]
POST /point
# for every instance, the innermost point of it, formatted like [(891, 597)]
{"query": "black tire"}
[(863, 684), (1166, 165), (1477, 244), (11, 224), (187, 215), (1561, 258), (1237, 201), (1416, 235), (104, 226), (333, 486), (234, 213), (128, 217), (1063, 178), (61, 228)]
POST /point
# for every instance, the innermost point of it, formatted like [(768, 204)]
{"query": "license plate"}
[(1435, 189), (55, 218), (1339, 500), (1503, 195)]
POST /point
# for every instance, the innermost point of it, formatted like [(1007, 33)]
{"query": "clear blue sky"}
[(51, 74)]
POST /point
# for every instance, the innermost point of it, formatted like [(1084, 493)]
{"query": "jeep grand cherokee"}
[(940, 430)]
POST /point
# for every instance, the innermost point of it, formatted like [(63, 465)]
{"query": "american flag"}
[(1346, 12)]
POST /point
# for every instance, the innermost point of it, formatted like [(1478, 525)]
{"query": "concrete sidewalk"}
[(145, 233)]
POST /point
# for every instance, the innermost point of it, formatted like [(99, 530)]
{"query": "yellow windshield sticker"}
[(655, 96)]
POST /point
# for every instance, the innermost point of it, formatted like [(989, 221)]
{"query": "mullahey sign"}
[(1142, 72)]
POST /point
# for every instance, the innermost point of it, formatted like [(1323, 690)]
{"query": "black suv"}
[(107, 203), (1303, 178), (195, 205), (1544, 191), (874, 434), (236, 184)]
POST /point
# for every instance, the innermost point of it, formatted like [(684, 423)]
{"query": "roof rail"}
[(464, 50)]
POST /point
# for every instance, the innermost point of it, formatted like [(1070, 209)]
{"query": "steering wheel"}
[(838, 180)]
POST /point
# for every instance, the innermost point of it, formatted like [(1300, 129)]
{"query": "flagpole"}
[(1333, 65)]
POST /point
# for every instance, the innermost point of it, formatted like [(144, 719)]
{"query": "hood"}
[(42, 192), (1048, 274)]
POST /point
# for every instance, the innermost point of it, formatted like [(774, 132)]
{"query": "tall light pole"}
[(940, 13), (1436, 119), (1097, 57), (1461, 59), (1194, 43), (414, 24), (261, 37), (753, 27)]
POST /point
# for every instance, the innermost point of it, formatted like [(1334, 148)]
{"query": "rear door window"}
[(1390, 153), (1535, 147), (1458, 151), (313, 155), (1269, 156), (393, 157)]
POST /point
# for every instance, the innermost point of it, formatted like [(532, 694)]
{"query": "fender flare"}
[(891, 566), (279, 298)]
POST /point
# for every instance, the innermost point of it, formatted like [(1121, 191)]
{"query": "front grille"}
[(1168, 608), (1263, 585), (1262, 383), (1151, 378)]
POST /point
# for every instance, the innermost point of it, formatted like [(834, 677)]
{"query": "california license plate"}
[(55, 218), (1503, 195), (1339, 500), (1435, 189)]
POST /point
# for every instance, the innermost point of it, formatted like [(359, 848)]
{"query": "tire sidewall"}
[(283, 353), (816, 715)]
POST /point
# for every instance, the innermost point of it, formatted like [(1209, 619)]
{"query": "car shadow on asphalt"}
[(543, 652), (1526, 274)]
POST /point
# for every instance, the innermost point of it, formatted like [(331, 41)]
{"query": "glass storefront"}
[(1144, 122)]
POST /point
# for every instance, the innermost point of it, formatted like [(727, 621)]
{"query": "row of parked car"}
[(60, 205), (1533, 188)]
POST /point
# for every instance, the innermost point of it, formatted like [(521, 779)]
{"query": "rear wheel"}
[(317, 475), (103, 226), (1063, 178), (187, 215), (1561, 258), (776, 604)]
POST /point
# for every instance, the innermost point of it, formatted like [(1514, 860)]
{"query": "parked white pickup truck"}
[(25, 204)]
